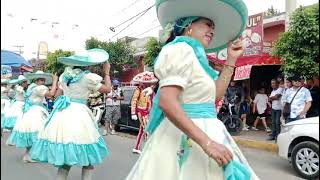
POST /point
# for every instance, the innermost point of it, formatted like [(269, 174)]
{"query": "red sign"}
[(252, 38), (242, 72)]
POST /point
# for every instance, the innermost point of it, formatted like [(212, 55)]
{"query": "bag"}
[(286, 110), (287, 106)]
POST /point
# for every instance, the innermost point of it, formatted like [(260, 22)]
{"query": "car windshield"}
[(127, 94)]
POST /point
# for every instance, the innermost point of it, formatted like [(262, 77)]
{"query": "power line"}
[(147, 31), (126, 8), (133, 21), (136, 32), (142, 12)]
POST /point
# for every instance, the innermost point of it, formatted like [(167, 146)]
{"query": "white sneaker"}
[(104, 132), (113, 132), (136, 151), (6, 130), (245, 129), (254, 128), (268, 129)]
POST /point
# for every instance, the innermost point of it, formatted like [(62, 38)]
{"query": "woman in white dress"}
[(187, 140), (5, 101), (35, 114), (14, 111), (71, 136)]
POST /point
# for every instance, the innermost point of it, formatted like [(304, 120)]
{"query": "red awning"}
[(258, 60), (26, 68)]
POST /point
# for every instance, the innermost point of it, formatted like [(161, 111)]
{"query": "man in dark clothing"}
[(314, 90)]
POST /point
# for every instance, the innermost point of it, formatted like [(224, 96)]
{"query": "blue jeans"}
[(276, 128), (292, 119)]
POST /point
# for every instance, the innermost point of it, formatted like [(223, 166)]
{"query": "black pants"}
[(276, 128)]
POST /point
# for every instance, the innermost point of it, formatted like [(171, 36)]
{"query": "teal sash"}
[(27, 102), (156, 113), (62, 102)]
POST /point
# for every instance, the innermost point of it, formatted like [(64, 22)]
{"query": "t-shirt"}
[(276, 104), (299, 100), (261, 100), (112, 101)]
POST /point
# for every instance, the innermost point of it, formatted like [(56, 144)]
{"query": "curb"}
[(261, 145), (248, 143)]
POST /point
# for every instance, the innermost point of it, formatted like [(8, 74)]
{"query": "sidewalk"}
[(256, 140)]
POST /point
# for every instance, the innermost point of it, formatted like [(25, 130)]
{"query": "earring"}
[(190, 32)]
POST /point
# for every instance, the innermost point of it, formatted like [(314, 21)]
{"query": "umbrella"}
[(13, 59)]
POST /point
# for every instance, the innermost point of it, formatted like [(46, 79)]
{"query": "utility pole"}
[(291, 5), (20, 48)]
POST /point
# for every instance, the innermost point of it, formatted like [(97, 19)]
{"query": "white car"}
[(299, 143)]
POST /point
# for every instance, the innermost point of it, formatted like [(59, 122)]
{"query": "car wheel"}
[(305, 159)]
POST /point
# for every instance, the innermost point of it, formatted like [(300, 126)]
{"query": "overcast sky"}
[(78, 20)]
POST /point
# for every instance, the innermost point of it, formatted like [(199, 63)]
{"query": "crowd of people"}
[(179, 118), (293, 93)]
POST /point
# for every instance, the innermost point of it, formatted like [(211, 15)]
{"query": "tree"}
[(153, 48), (299, 46), (52, 65), (120, 54), (271, 11)]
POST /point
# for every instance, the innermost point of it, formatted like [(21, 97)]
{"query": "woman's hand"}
[(106, 68), (55, 78), (235, 50), (218, 152)]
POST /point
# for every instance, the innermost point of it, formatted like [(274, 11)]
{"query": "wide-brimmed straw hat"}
[(20, 79), (5, 81), (145, 77), (229, 16), (86, 58), (40, 74)]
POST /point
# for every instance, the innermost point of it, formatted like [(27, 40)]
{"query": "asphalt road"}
[(118, 164)]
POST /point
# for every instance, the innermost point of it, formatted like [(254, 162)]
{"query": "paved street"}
[(118, 164)]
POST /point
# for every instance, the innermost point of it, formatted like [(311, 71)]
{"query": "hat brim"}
[(47, 76), (229, 16), (93, 57), (76, 61), (6, 81)]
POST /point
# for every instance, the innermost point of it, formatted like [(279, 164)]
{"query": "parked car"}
[(125, 120), (299, 143)]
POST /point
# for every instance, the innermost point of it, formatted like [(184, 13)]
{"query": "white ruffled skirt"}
[(26, 129), (70, 138), (160, 157)]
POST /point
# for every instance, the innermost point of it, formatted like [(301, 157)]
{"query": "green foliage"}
[(153, 48), (271, 11), (299, 46), (52, 65), (121, 54)]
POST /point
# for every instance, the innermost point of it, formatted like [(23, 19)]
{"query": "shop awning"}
[(245, 63), (258, 60)]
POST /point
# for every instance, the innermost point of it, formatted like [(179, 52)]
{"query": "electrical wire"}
[(125, 8), (142, 12), (133, 21), (147, 31)]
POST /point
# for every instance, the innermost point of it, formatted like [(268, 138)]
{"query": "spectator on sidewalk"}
[(244, 112), (260, 106), (314, 90), (234, 90), (275, 99), (113, 113), (301, 100)]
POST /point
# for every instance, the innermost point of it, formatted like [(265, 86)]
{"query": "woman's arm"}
[(235, 50), (169, 103), (106, 87), (54, 87)]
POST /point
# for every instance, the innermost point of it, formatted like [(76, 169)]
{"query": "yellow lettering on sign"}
[(253, 21)]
